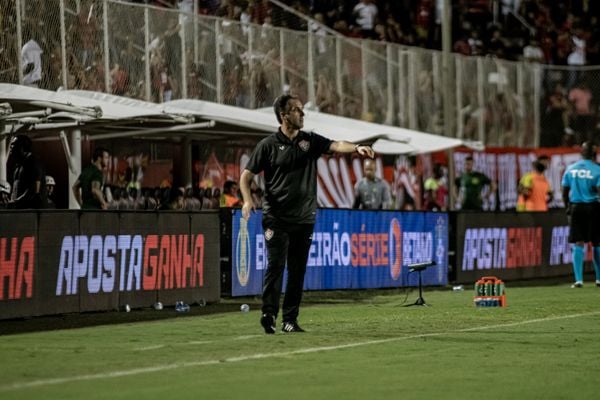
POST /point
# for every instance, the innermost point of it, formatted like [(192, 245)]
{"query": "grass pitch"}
[(359, 345)]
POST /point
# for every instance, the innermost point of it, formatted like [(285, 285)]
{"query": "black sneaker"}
[(292, 326), (577, 285), (268, 323)]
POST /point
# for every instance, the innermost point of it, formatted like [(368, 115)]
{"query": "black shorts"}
[(585, 223)]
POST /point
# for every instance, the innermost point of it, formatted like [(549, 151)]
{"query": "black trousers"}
[(584, 223), (291, 243)]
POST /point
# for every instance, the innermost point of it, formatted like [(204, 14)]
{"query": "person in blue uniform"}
[(581, 194)]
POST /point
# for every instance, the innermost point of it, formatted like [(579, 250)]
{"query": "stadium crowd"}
[(556, 33), (560, 32)]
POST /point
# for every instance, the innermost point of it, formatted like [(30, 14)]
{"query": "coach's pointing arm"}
[(346, 147)]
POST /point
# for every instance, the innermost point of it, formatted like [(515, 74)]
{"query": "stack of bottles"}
[(490, 292)]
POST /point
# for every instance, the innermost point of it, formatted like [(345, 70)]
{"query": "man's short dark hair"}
[(469, 158), (281, 105), (98, 153), (588, 150)]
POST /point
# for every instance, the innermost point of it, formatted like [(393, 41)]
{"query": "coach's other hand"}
[(247, 208)]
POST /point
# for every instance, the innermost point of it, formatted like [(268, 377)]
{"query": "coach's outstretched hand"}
[(365, 151)]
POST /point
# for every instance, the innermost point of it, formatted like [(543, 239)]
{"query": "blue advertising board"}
[(351, 249)]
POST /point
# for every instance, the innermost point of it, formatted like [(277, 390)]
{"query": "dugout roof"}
[(99, 116)]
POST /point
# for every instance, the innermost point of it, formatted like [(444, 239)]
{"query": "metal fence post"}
[(106, 48), (311, 69), (184, 77), (401, 89), (389, 116), (19, 41), (339, 72), (537, 98), (412, 90), (195, 20), (219, 78), (480, 100), (458, 78), (147, 54), (364, 87), (63, 45), (251, 82), (281, 59)]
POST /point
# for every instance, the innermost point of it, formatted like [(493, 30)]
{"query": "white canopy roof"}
[(90, 107), (387, 139)]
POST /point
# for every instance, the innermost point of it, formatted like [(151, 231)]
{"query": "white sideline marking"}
[(246, 337), (194, 342), (158, 346), (258, 356)]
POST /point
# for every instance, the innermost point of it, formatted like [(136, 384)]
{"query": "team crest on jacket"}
[(268, 234), (304, 145)]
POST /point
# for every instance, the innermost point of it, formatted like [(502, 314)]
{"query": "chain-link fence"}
[(159, 54)]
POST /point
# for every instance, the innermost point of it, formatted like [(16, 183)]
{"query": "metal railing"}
[(157, 54)]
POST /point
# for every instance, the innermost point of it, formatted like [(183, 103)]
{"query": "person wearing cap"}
[(50, 183), (29, 179)]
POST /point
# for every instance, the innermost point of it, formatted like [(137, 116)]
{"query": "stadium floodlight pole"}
[(446, 68)]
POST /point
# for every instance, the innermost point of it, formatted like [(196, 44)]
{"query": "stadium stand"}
[(233, 53)]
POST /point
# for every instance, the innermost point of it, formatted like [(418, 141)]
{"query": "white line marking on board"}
[(258, 356)]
